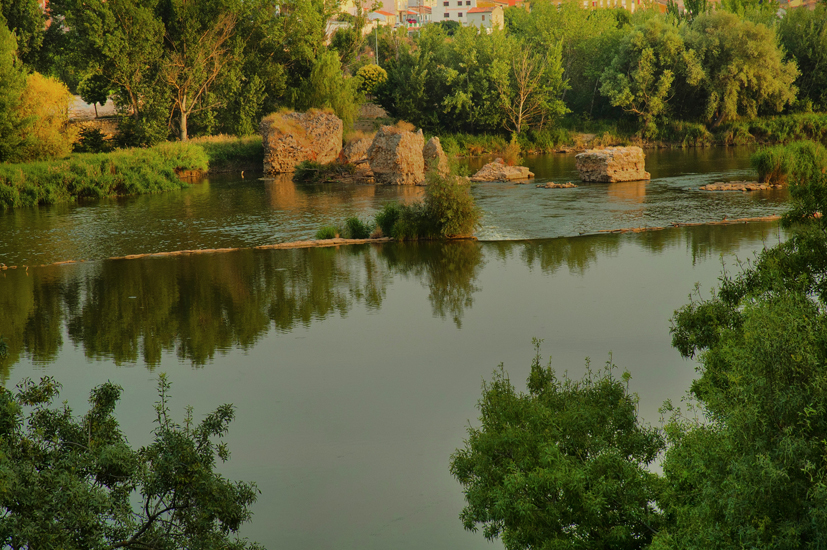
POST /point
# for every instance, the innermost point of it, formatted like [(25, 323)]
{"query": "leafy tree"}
[(196, 40), (803, 34), (531, 96), (327, 88), (121, 40), (12, 86), (46, 101), (641, 78), (743, 68), (450, 27), (74, 482), (26, 20), (753, 473), (94, 89), (562, 466)]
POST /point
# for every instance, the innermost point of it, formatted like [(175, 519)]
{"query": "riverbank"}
[(164, 167), (573, 137)]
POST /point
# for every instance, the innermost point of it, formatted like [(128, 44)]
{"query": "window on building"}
[(446, 15), (445, 3), (459, 3), (459, 14), (467, 2), (483, 18)]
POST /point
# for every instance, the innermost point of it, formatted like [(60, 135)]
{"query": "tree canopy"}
[(75, 483)]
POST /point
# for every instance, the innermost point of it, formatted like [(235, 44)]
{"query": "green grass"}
[(89, 175), (800, 160), (231, 153)]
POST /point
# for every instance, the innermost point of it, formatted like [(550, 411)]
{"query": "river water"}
[(227, 211), (355, 371)]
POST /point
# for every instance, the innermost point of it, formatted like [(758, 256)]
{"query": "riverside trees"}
[(750, 471), (74, 482)]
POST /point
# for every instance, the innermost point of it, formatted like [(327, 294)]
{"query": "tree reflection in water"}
[(196, 305)]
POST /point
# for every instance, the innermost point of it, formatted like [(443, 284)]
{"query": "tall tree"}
[(12, 85), (642, 77), (25, 18), (197, 50), (743, 68)]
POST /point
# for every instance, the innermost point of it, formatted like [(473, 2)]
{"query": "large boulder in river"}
[(435, 158), (289, 138), (500, 171), (395, 156), (612, 164)]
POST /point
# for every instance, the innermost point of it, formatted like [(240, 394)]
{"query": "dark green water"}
[(227, 211), (355, 371)]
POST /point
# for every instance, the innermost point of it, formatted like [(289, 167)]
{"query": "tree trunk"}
[(182, 122)]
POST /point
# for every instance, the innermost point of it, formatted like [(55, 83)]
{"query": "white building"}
[(452, 10)]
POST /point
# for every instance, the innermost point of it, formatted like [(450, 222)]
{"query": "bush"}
[(327, 232), (357, 229), (46, 101), (447, 211), (371, 76), (387, 217), (800, 160), (450, 206), (92, 140)]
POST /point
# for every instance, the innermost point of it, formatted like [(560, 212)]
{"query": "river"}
[(355, 371)]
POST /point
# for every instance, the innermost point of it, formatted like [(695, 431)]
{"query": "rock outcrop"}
[(356, 153), (500, 171), (435, 157), (290, 138), (738, 186), (552, 185), (612, 164), (395, 156)]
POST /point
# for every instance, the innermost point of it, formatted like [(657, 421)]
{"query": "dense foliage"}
[(74, 482), (563, 466), (747, 470)]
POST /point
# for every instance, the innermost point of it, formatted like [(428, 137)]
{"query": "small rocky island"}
[(612, 164), (500, 171), (394, 156)]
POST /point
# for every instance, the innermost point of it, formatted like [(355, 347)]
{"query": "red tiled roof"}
[(480, 10), (385, 13)]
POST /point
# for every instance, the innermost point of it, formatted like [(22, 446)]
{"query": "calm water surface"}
[(355, 371), (227, 211)]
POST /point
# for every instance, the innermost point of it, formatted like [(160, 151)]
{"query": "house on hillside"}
[(383, 17), (488, 18), (452, 10), (417, 16)]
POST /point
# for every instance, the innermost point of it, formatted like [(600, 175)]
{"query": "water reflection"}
[(128, 311)]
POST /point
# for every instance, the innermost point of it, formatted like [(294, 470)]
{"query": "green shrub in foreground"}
[(125, 172), (800, 160)]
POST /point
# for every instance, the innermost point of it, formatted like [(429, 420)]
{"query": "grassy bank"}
[(123, 172), (126, 172), (231, 153)]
